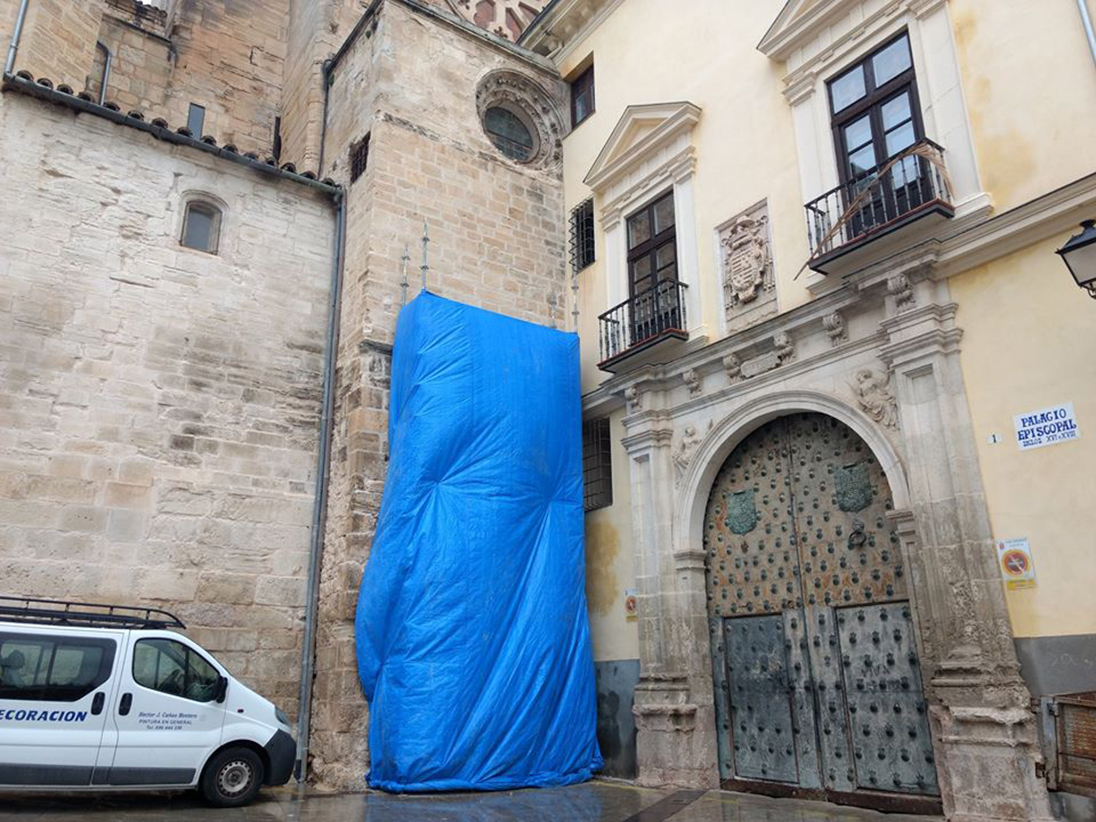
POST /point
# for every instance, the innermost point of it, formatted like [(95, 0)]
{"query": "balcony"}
[(630, 333), (843, 223)]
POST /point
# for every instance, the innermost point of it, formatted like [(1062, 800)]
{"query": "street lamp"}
[(1079, 253)]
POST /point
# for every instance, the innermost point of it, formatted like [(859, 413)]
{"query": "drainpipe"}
[(325, 74), (15, 34), (329, 66), (108, 59), (319, 510), (1086, 23)]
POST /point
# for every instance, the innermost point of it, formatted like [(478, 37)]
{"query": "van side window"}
[(53, 668), (171, 667)]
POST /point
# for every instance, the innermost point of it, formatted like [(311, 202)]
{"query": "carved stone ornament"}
[(873, 393), (505, 18), (684, 451), (746, 259), (693, 381), (531, 104), (836, 328), (732, 364), (634, 399), (785, 348), (901, 289)]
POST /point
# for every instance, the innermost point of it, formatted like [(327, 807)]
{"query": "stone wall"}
[(159, 405), (225, 55), (58, 38), (497, 241)]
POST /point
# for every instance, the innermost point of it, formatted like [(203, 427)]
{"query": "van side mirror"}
[(222, 688)]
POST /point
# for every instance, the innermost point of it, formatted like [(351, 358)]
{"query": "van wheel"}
[(232, 778)]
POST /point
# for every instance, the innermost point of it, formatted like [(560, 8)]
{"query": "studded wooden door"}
[(817, 684)]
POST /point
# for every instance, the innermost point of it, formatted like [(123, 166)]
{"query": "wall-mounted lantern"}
[(1079, 253)]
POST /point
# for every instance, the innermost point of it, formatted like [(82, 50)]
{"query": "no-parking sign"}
[(1014, 557)]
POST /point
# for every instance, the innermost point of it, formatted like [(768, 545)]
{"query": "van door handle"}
[(124, 705), (97, 703)]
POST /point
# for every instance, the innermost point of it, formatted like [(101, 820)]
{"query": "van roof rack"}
[(84, 614)]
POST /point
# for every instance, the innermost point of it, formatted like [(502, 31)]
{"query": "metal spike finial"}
[(574, 300), (404, 260), (425, 242)]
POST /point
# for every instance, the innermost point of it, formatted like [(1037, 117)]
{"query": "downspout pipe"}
[(328, 68), (15, 35), (1086, 23), (108, 59), (319, 510), (325, 75)]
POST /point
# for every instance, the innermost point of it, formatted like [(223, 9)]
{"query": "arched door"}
[(817, 683)]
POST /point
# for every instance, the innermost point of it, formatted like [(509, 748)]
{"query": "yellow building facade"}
[(825, 337)]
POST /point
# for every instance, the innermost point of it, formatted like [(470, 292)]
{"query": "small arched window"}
[(201, 226)]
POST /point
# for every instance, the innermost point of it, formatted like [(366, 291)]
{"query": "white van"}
[(104, 697)]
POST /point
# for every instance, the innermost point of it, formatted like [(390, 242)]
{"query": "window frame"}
[(520, 116), (217, 213), (40, 693), (189, 652), (652, 245), (597, 445), (875, 97), (198, 112), (585, 79)]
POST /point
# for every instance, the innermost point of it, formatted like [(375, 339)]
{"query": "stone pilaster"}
[(675, 731), (983, 727)]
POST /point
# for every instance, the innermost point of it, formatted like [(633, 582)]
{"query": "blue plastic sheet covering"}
[(472, 636)]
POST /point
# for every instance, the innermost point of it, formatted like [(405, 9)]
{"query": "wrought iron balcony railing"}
[(642, 320), (906, 185)]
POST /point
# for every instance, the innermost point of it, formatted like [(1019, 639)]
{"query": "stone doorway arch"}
[(817, 688)]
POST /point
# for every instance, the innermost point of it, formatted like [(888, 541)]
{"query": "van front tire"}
[(232, 778)]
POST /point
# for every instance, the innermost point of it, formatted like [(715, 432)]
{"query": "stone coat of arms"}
[(745, 259)]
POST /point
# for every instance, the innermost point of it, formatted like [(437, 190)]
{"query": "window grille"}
[(359, 158), (582, 235), (597, 467)]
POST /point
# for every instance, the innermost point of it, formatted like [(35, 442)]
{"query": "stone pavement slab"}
[(598, 801)]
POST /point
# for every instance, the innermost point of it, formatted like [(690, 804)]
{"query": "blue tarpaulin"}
[(472, 636)]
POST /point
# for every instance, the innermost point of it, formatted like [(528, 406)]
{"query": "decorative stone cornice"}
[(664, 121), (563, 24), (803, 21), (674, 169)]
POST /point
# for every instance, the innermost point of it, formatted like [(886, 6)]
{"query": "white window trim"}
[(842, 32), (627, 175)]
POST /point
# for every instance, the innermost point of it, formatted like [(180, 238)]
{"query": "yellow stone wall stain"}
[(602, 548)]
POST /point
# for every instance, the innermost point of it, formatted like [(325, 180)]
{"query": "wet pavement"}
[(597, 801)]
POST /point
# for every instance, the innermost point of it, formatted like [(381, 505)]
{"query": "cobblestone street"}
[(593, 802)]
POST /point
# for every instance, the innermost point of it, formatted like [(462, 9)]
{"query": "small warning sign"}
[(631, 606), (1014, 557)]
